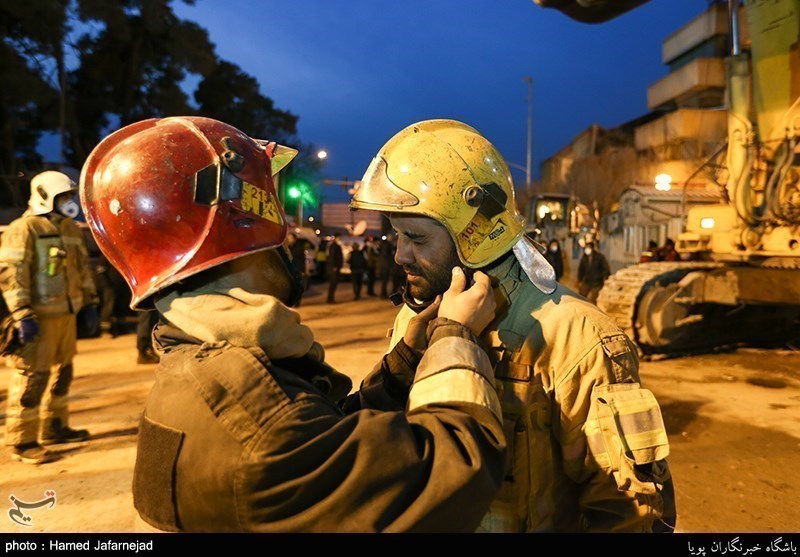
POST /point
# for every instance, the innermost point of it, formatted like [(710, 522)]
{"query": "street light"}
[(529, 80), (663, 182), (322, 154)]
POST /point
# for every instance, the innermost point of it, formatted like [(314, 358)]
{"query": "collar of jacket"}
[(506, 275), (168, 339)]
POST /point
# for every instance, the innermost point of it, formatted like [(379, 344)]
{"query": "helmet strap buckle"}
[(474, 195)]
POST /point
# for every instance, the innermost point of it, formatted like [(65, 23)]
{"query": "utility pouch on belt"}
[(633, 435)]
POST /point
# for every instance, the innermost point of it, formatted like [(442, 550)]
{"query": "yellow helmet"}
[(449, 172)]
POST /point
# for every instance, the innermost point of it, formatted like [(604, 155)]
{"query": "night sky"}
[(357, 71)]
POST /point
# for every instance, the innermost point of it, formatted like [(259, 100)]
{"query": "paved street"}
[(733, 421)]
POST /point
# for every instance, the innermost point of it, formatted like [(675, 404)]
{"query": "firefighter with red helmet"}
[(242, 430)]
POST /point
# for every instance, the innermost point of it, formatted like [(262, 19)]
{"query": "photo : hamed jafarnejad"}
[(101, 545)]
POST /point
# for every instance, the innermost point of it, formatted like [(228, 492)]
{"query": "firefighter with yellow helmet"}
[(46, 281), (587, 445)]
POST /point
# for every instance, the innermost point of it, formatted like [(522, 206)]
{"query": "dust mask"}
[(68, 206)]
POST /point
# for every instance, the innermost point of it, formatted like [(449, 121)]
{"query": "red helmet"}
[(169, 198)]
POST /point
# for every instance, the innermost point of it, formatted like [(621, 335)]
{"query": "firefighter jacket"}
[(44, 267), (586, 443), (233, 439)]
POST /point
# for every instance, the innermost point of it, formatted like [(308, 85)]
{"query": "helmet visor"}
[(378, 191)]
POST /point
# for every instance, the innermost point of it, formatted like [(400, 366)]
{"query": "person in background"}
[(147, 320), (372, 254), (358, 266), (322, 259), (106, 294), (297, 249), (46, 281), (334, 264), (385, 265), (555, 257), (650, 254), (667, 252), (593, 270)]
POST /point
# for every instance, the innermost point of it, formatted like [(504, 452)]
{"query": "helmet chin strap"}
[(402, 296)]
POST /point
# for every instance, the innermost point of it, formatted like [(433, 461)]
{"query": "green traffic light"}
[(294, 192)]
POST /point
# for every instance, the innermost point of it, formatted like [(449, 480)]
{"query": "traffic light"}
[(301, 191), (294, 192)]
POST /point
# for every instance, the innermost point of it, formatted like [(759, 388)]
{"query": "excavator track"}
[(623, 291), (656, 306)]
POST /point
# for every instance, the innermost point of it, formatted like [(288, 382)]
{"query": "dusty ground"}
[(733, 421)]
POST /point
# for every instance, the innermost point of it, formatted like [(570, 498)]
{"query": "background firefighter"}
[(46, 280)]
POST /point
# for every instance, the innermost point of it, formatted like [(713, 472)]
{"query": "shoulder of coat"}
[(564, 309)]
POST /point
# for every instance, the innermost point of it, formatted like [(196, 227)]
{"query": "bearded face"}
[(427, 254)]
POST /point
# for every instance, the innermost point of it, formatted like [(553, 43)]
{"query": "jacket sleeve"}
[(16, 256), (388, 384), (435, 467), (613, 441)]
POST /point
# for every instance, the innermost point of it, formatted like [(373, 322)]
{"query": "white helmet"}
[(45, 187)]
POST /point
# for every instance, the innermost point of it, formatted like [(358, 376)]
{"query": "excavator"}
[(738, 280)]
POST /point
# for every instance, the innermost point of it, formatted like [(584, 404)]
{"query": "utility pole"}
[(300, 211), (62, 102), (529, 80)]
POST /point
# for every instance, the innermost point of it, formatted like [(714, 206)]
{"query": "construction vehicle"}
[(739, 277), (560, 216)]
